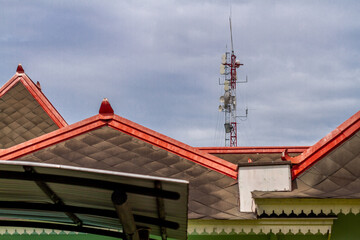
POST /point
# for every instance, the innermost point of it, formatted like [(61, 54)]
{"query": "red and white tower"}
[(228, 68)]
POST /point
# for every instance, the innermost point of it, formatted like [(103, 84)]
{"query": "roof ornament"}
[(38, 85), (20, 69), (105, 107), (285, 155)]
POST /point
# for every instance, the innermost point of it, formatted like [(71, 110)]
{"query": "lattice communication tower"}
[(228, 67)]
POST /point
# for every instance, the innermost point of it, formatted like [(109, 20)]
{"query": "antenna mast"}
[(228, 67)]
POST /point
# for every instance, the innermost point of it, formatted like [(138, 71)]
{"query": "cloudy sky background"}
[(158, 63)]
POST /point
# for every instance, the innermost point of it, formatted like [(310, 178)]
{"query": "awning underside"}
[(79, 199)]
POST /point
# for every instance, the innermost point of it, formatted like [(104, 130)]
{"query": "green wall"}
[(346, 227)]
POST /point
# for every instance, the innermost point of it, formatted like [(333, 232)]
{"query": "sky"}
[(158, 63)]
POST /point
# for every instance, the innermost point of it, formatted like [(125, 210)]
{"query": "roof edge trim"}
[(324, 146), (128, 127), (37, 94), (52, 138), (174, 146), (253, 150)]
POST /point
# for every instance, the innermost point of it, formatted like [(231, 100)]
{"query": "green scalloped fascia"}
[(260, 227), (306, 205)]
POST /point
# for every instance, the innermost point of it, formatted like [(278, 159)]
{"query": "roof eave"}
[(125, 126)]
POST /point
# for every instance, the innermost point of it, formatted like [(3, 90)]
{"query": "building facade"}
[(298, 192)]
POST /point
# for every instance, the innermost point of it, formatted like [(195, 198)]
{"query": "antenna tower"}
[(228, 67)]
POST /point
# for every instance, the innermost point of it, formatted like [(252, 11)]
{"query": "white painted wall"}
[(261, 178)]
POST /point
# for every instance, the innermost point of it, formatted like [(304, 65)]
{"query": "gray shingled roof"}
[(337, 175), (212, 195), (22, 117)]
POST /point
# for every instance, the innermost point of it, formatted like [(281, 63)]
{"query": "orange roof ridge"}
[(128, 127), (35, 91), (324, 146), (174, 146), (253, 150), (51, 138)]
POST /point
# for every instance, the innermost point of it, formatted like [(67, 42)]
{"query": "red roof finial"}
[(105, 107), (19, 69), (38, 85)]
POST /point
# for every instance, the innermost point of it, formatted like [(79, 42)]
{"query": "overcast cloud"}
[(158, 63)]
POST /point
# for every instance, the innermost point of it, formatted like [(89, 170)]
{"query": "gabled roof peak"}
[(35, 90), (20, 69)]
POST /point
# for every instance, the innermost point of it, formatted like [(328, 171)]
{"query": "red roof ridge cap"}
[(40, 97), (35, 91), (325, 145), (174, 146), (127, 127)]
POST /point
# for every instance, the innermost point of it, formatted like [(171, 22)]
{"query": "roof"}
[(302, 157), (25, 111), (325, 146), (329, 169), (85, 200), (110, 142), (125, 126), (337, 175)]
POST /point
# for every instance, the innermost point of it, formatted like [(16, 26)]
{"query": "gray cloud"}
[(158, 62)]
